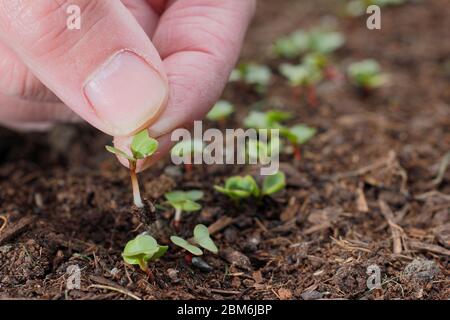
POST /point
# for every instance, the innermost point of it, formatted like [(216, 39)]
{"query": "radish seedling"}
[(293, 45), (316, 40), (253, 74), (239, 187), (303, 76), (259, 150), (188, 149), (245, 187), (183, 201), (221, 110), (266, 120), (325, 42), (299, 135), (366, 75), (142, 146), (201, 238), (141, 250), (322, 63)]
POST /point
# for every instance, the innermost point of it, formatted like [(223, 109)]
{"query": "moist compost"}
[(364, 193)]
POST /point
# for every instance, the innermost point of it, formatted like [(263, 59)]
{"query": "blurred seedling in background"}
[(298, 135), (142, 146), (220, 112), (255, 75), (183, 201), (322, 63), (263, 151), (239, 187), (188, 149), (303, 76), (292, 45), (325, 41), (201, 238), (141, 250), (366, 75), (359, 7), (300, 42), (266, 120)]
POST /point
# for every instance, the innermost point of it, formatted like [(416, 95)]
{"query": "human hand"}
[(109, 72)]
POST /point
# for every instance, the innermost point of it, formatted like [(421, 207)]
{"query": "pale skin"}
[(134, 64)]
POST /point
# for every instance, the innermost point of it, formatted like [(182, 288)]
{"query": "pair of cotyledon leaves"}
[(142, 146), (145, 248), (245, 187), (201, 237), (298, 134), (185, 200), (141, 249)]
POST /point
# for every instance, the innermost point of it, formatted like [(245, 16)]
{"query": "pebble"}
[(173, 275), (422, 269), (173, 172), (201, 264), (311, 295), (237, 259)]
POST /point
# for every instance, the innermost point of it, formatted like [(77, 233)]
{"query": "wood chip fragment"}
[(16, 229), (396, 230), (422, 246), (361, 202)]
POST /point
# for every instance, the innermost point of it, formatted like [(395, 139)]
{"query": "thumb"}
[(108, 71)]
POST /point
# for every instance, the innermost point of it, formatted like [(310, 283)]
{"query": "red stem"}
[(188, 167), (312, 96), (297, 153)]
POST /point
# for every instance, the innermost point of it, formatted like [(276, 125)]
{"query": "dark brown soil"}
[(363, 194)]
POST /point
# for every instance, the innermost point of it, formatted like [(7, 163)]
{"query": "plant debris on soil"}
[(370, 188)]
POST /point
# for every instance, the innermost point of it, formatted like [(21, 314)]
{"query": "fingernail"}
[(126, 93)]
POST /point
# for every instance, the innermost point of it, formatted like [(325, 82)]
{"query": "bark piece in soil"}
[(237, 259), (16, 229), (421, 269)]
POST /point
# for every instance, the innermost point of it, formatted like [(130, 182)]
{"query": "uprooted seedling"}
[(142, 146), (246, 187), (141, 250), (183, 201)]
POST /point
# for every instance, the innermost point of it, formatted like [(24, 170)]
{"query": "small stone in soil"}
[(237, 259), (201, 264), (173, 275), (146, 214), (421, 269), (173, 172), (252, 243), (311, 295)]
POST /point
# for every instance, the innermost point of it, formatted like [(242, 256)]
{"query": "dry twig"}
[(396, 230), (5, 222)]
